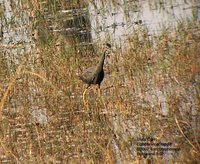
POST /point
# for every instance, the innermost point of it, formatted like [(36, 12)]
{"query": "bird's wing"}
[(89, 73)]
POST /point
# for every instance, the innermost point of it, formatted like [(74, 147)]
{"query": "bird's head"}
[(107, 47)]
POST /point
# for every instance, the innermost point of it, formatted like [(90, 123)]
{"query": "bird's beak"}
[(110, 50)]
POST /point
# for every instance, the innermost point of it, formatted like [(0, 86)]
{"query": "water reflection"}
[(119, 20), (104, 20)]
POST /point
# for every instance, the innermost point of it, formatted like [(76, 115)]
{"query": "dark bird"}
[(95, 74)]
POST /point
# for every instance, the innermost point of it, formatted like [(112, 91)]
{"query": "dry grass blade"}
[(10, 86), (6, 151), (108, 157), (178, 125), (41, 77)]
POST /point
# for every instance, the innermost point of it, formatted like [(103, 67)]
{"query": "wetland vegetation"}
[(150, 93)]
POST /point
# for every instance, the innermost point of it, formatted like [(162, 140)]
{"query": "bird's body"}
[(89, 77), (94, 74)]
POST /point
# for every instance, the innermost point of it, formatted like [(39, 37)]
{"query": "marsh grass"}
[(150, 90), (103, 131)]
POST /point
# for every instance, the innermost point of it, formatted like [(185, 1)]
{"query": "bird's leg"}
[(99, 92), (85, 93)]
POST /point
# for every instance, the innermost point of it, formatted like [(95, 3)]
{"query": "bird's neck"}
[(101, 61)]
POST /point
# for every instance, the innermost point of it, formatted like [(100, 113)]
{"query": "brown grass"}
[(151, 90)]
